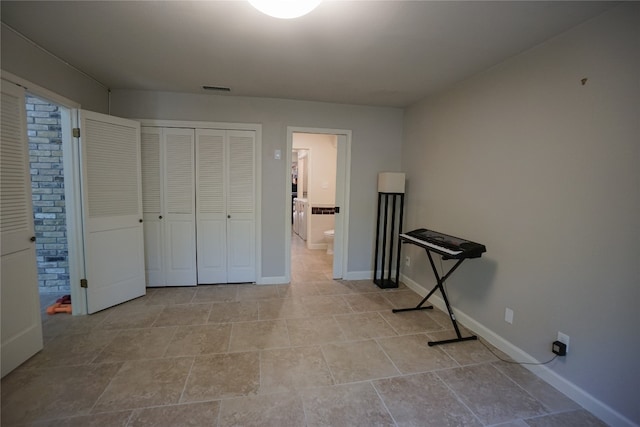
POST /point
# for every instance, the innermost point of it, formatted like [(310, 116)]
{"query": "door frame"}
[(257, 128), (72, 189), (342, 183)]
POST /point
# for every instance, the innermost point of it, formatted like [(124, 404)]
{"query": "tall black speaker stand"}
[(388, 232)]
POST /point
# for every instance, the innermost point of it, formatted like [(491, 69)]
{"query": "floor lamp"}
[(389, 225)]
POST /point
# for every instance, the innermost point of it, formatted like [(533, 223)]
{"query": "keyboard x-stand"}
[(448, 247)]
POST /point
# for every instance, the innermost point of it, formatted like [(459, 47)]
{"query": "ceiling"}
[(380, 53)]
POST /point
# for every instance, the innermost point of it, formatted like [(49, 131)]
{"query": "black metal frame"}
[(440, 286), (387, 228)]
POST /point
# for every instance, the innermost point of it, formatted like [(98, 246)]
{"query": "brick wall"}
[(47, 186)]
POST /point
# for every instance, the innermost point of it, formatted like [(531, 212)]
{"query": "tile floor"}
[(316, 352)]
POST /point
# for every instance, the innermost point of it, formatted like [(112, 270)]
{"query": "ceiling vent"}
[(217, 88)]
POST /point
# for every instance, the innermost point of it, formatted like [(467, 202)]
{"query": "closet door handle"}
[(160, 217), (32, 238), (140, 220), (228, 216)]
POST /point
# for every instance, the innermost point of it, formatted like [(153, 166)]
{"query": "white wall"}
[(545, 172), (25, 60), (376, 141)]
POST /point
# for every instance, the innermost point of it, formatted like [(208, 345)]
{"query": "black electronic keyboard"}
[(449, 247), (443, 244)]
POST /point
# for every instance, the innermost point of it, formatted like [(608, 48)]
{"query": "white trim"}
[(257, 128), (347, 134), (359, 275), (577, 394), (73, 204), (276, 280), (198, 124), (39, 90)]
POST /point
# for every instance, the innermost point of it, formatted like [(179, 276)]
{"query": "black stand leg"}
[(386, 234), (440, 286)]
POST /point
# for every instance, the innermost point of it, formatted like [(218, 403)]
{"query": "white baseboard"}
[(276, 280), (577, 394), (358, 275), (317, 246)]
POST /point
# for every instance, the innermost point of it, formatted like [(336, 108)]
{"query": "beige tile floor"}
[(316, 352)]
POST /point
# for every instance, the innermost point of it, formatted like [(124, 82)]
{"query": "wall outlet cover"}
[(508, 315)]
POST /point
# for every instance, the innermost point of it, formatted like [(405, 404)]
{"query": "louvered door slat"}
[(241, 174), (150, 149), (14, 215), (111, 169), (179, 172), (211, 174)]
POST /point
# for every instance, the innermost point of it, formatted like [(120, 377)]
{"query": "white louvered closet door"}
[(179, 207), (21, 323), (241, 258), (112, 209), (211, 206), (151, 154)]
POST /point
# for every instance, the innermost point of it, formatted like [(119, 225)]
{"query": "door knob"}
[(228, 216), (160, 217), (32, 239), (140, 220)]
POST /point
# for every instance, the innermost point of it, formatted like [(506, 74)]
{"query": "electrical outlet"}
[(508, 315), (407, 261), (564, 339)]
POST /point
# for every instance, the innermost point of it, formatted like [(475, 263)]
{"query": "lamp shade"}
[(391, 182)]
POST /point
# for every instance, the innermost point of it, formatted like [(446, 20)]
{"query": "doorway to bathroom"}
[(317, 187)]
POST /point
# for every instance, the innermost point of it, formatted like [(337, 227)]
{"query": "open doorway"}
[(313, 167), (46, 164), (318, 183)]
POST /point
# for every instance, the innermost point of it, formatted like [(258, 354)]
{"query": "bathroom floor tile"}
[(259, 335), (364, 325), (135, 344), (60, 391), (423, 399), (345, 405), (293, 369), (273, 410), (411, 354), (492, 396), (240, 311), (144, 383), (190, 414), (222, 376), (357, 361), (314, 330), (199, 340)]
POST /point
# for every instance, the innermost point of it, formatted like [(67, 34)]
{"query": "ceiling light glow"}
[(285, 9)]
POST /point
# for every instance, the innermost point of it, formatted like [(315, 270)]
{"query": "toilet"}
[(328, 237)]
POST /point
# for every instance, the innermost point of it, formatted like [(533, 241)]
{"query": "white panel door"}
[(241, 258), (21, 323), (211, 206), (112, 209), (151, 155), (179, 203)]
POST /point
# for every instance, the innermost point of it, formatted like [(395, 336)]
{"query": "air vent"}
[(217, 88)]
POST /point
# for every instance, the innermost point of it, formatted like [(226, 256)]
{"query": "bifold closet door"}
[(169, 206), (241, 221), (226, 206), (211, 204), (152, 205)]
